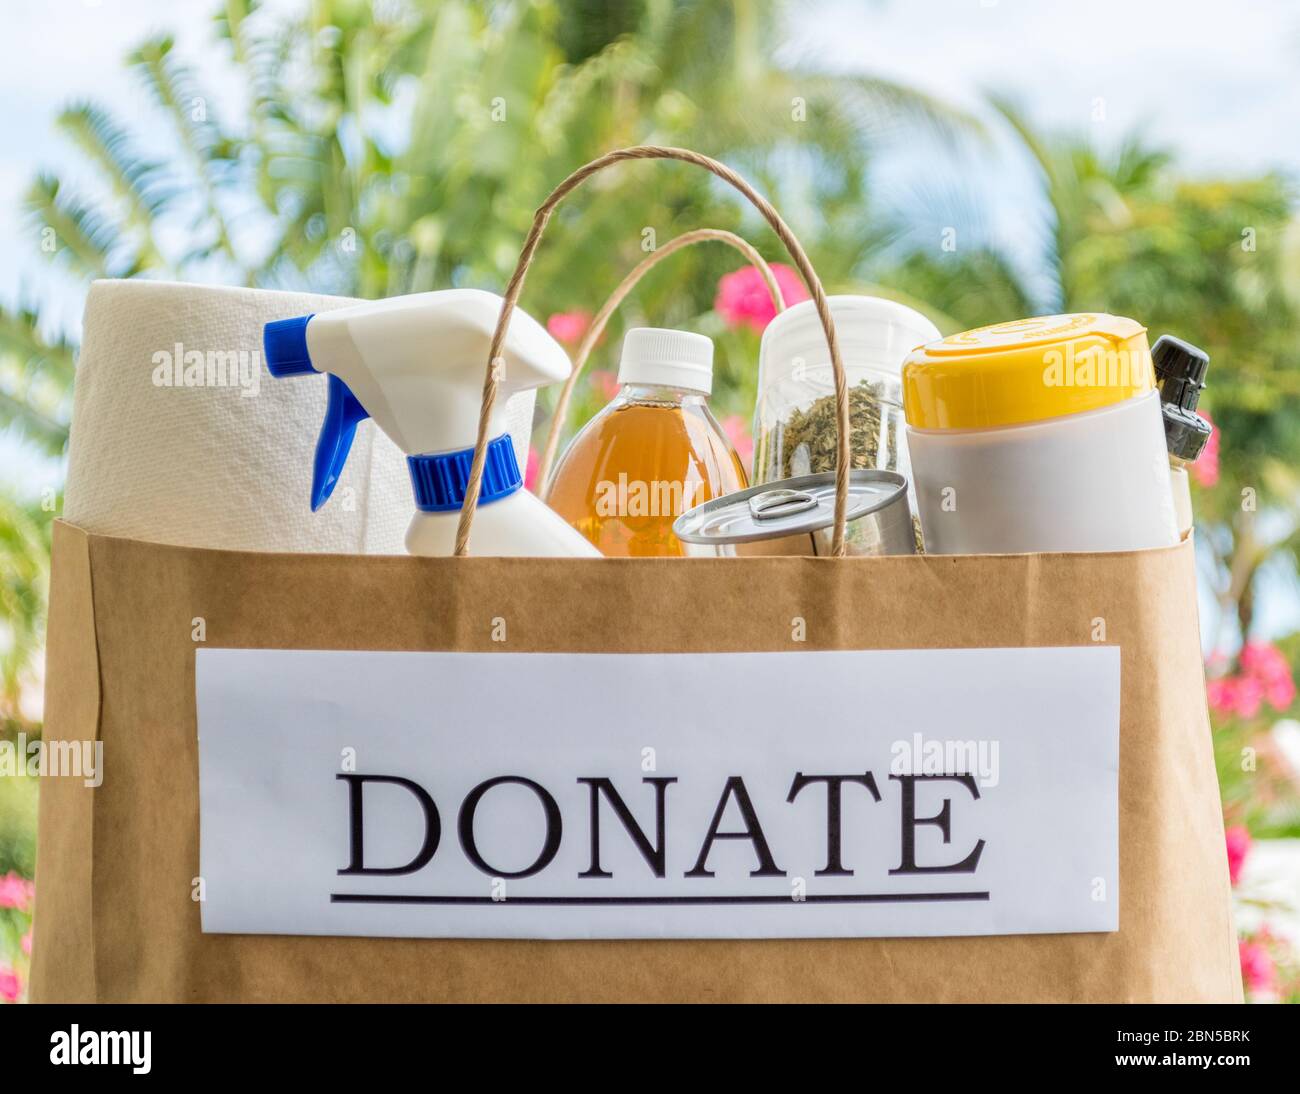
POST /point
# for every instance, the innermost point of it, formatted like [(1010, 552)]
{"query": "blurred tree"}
[(1202, 260), (24, 552), (384, 148), (1215, 261), (960, 289), (35, 399)]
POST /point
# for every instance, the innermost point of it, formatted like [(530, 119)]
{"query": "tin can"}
[(796, 517)]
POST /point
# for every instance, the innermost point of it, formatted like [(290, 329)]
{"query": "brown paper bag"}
[(118, 864), (115, 915)]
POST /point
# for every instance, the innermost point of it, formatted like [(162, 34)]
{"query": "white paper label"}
[(747, 795)]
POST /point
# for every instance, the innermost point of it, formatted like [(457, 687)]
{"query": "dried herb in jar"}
[(807, 437)]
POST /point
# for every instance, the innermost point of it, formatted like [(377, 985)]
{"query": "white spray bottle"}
[(415, 365)]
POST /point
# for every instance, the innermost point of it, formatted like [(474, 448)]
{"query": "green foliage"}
[(1262, 796), (962, 289), (1213, 261), (1202, 259), (35, 381), (385, 152), (18, 825), (24, 578)]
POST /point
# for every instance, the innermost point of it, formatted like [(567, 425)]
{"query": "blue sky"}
[(1215, 81)]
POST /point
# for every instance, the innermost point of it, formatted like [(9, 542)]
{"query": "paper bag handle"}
[(515, 287), (598, 324)]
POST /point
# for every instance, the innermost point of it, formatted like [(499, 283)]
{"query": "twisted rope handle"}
[(496, 364), (598, 324)]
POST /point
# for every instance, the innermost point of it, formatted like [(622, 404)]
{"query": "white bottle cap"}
[(873, 333), (672, 358)]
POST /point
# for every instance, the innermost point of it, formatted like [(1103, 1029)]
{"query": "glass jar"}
[(794, 422)]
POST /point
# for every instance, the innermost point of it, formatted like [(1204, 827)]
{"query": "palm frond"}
[(1014, 115), (20, 337), (882, 107), (36, 377), (83, 237), (210, 152), (30, 424), (139, 184), (24, 576)]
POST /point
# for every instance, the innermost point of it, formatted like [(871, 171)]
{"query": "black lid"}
[(1180, 374), (1180, 370), (1186, 432)]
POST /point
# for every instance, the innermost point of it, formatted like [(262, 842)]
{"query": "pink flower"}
[(1221, 694), (16, 892), (1238, 838), (1265, 677), (1205, 471), (1250, 696), (743, 299), (1231, 695), (737, 430), (1267, 666), (606, 383), (26, 943), (11, 987), (569, 326), (1257, 967), (1266, 663), (1280, 693), (530, 472)]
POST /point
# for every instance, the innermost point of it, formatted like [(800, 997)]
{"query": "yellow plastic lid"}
[(1029, 370)]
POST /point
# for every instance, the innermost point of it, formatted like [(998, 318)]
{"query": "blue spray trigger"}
[(343, 412), (284, 341)]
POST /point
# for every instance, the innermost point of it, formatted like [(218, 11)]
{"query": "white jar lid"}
[(873, 333), (672, 358)]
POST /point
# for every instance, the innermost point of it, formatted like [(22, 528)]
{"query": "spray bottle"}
[(415, 365)]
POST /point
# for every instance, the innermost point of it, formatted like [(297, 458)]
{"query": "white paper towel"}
[(220, 456)]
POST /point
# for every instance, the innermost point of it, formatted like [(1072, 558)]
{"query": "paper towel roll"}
[(179, 434)]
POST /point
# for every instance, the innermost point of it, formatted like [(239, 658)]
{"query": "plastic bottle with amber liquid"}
[(654, 452)]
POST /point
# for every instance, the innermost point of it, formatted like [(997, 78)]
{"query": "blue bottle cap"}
[(284, 341), (440, 479)]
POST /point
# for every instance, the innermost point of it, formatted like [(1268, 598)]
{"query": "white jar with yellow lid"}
[(1039, 435)]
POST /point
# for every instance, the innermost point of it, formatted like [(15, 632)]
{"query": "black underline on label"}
[(818, 898)]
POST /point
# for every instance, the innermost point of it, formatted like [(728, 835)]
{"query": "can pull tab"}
[(772, 504)]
